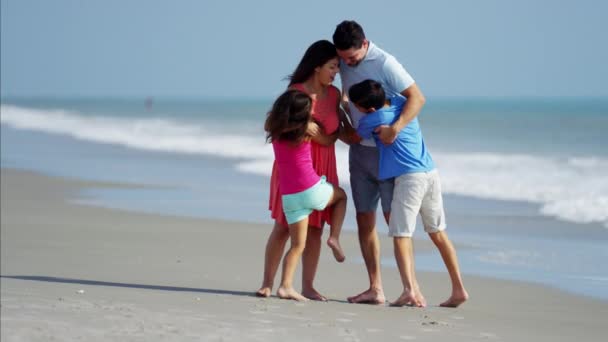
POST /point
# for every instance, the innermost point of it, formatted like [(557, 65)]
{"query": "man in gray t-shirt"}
[(361, 60)]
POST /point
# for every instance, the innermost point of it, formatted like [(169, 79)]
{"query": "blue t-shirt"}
[(380, 66), (407, 154)]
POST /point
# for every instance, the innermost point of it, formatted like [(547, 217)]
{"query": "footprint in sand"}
[(263, 321), (487, 335)]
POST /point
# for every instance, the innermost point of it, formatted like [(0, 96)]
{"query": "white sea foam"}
[(573, 189), (145, 133)]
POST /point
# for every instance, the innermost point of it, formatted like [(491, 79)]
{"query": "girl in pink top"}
[(302, 189), (313, 75)]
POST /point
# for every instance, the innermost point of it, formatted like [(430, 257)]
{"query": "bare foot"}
[(313, 295), (264, 291), (370, 296), (290, 293), (334, 244), (407, 298), (418, 295), (456, 299)]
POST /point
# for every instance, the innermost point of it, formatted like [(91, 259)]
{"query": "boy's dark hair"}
[(367, 94), (319, 53), (348, 34), (288, 119)]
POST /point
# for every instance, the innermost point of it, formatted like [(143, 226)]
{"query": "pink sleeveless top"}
[(294, 164), (324, 111)]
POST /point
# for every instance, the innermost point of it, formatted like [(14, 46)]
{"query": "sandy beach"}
[(73, 272)]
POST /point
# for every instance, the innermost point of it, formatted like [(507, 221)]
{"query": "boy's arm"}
[(414, 103), (367, 126)]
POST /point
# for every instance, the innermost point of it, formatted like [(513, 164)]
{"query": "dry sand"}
[(72, 272)]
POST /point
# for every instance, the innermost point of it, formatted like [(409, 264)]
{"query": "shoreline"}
[(497, 239), (72, 271)]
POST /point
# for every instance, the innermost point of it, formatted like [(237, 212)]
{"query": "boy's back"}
[(408, 154)]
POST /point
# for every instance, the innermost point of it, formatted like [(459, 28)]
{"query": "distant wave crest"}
[(153, 134), (573, 189)]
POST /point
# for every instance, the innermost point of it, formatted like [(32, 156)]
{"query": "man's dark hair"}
[(348, 34), (367, 94)]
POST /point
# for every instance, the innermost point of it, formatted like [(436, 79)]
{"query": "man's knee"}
[(439, 238), (366, 220)]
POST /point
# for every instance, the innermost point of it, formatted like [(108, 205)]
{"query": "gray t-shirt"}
[(381, 67)]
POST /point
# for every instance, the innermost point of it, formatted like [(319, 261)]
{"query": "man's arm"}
[(414, 103)]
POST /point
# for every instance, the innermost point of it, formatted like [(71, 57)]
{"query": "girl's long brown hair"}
[(289, 117)]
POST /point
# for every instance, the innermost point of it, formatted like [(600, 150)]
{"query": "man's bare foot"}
[(334, 244), (264, 291), (407, 298), (456, 299), (313, 295), (290, 293), (370, 296)]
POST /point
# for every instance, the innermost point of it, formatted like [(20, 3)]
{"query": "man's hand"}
[(387, 134)]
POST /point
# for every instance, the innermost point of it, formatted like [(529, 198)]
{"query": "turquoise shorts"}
[(301, 204)]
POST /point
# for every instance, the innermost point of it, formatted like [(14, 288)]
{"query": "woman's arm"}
[(348, 134)]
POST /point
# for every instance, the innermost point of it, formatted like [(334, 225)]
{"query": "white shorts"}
[(415, 193)]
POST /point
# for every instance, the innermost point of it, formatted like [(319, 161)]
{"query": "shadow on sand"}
[(128, 285)]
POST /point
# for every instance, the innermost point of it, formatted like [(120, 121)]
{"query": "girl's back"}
[(294, 162)]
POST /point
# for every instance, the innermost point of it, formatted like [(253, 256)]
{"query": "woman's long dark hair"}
[(319, 53), (289, 117)]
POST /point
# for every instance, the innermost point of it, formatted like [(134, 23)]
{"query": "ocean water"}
[(525, 180)]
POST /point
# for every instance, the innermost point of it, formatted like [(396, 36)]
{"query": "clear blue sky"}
[(245, 48)]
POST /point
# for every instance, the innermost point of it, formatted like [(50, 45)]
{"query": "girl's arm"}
[(317, 133)]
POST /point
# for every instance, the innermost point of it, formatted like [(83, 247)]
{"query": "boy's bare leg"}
[(448, 254), (370, 249), (274, 251), (338, 201), (404, 256), (297, 233), (417, 292), (310, 261)]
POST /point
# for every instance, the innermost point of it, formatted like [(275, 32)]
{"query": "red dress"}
[(324, 111)]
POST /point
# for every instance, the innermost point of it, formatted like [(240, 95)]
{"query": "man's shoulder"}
[(376, 54)]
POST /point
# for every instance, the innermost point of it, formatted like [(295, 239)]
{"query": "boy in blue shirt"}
[(417, 189)]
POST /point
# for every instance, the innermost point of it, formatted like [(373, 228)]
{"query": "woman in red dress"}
[(313, 75)]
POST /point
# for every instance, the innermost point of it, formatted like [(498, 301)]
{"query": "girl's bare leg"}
[(310, 261), (297, 233), (338, 201), (274, 251)]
